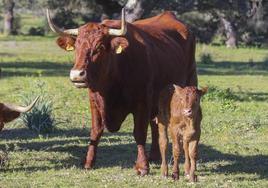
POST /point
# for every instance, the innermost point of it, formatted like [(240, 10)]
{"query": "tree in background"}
[(8, 6), (213, 21)]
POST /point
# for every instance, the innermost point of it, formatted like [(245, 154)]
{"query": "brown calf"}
[(10, 112), (180, 111)]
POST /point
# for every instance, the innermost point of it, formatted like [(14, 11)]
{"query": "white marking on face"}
[(78, 75)]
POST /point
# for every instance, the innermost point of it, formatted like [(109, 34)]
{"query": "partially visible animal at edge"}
[(124, 66), (9, 112), (180, 113)]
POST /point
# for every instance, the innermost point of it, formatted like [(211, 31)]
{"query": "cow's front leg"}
[(95, 134), (141, 121)]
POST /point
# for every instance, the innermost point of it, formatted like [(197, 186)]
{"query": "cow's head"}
[(189, 99), (9, 112), (93, 43)]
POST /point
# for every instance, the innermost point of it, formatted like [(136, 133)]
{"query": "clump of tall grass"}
[(226, 98), (218, 94), (4, 159), (40, 119), (206, 58)]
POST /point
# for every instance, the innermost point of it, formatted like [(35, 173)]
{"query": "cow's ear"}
[(66, 43), (119, 44)]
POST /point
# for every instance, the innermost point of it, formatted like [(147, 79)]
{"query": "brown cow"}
[(9, 112), (125, 69), (180, 112)]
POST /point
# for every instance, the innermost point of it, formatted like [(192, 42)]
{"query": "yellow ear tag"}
[(119, 49), (69, 47)]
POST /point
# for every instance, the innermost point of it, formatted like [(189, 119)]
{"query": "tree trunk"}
[(8, 16), (229, 33), (136, 9)]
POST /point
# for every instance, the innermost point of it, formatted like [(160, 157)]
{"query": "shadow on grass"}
[(115, 152), (252, 96), (233, 68), (44, 68)]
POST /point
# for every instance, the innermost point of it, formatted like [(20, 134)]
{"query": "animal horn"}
[(56, 29), (21, 109), (123, 30)]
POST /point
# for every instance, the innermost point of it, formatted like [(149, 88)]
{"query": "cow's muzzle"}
[(78, 77)]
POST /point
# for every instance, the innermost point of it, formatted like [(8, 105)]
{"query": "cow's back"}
[(172, 50)]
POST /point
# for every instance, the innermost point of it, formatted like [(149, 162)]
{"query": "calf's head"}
[(9, 112), (93, 43), (189, 99)]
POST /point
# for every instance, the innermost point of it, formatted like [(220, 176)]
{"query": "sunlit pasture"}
[(233, 148)]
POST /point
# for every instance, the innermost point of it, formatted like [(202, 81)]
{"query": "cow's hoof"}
[(88, 165), (142, 172), (175, 176)]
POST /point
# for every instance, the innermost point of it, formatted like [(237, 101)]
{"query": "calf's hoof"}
[(88, 165), (164, 174), (175, 176), (193, 178), (187, 176)]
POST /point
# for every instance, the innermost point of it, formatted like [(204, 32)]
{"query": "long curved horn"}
[(56, 29), (123, 30), (21, 108)]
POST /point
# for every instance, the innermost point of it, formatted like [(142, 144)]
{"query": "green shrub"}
[(36, 31), (217, 94), (40, 119), (206, 58), (3, 159)]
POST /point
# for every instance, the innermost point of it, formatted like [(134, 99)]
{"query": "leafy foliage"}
[(217, 94)]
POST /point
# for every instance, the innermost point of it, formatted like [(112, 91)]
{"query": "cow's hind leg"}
[(155, 152)]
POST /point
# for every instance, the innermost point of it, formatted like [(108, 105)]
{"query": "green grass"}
[(233, 148)]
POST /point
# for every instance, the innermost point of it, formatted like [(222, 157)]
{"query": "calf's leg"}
[(187, 158), (176, 153), (163, 143), (193, 152)]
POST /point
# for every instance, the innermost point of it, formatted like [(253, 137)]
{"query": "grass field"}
[(234, 140)]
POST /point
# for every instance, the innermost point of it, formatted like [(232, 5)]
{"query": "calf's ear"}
[(119, 44), (177, 88), (203, 91), (66, 43)]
